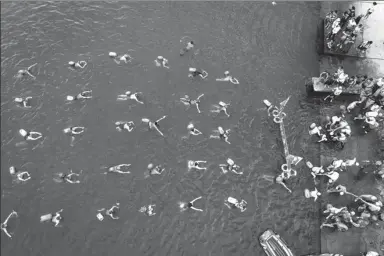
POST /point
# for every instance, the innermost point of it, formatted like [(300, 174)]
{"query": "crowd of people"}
[(343, 31)]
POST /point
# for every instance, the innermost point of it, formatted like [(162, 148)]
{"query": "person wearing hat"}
[(221, 106)]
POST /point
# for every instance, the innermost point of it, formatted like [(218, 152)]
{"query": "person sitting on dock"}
[(370, 10), (335, 92), (363, 47), (337, 222), (330, 18), (333, 211)]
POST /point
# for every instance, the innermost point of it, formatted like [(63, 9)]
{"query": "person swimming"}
[(129, 95), (124, 125), (53, 218), (161, 61), (196, 165), (221, 134), (117, 58), (117, 169), (154, 125), (234, 203), (4, 225), (22, 72), (184, 206), (190, 46), (21, 176), (82, 95), (78, 64), (228, 77), (148, 210), (194, 72), (68, 177), (153, 170), (26, 103), (315, 194), (74, 130), (188, 102), (112, 212), (230, 166), (222, 106), (192, 130), (30, 135)]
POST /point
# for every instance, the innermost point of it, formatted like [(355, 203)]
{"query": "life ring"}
[(285, 175), (284, 168)]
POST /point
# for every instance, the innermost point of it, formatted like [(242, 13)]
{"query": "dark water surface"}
[(270, 49)]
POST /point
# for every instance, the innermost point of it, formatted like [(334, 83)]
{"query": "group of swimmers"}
[(72, 177)]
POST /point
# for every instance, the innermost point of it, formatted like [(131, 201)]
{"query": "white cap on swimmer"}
[(71, 63), (190, 126), (67, 130), (226, 73), (160, 57), (112, 54), (23, 132), (150, 166), (223, 104), (69, 97), (192, 69), (12, 170), (312, 126), (18, 100), (220, 129)]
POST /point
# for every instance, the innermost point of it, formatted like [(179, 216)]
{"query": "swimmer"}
[(126, 58), (79, 64), (117, 169), (333, 210), (190, 46), (74, 130), (188, 102), (313, 129), (26, 103), (194, 72), (230, 166), (154, 125), (196, 165), (315, 194), (149, 210), (336, 164), (229, 78), (161, 61), (153, 170), (323, 138), (130, 95), (57, 218), (4, 225), (222, 106), (192, 130), (22, 72), (280, 180), (82, 95), (21, 176), (68, 177), (350, 162), (315, 170), (184, 206), (221, 134), (30, 135), (352, 105), (112, 212), (234, 203), (124, 125)]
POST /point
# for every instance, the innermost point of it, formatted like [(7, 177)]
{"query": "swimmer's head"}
[(160, 57), (341, 193), (61, 175), (192, 69), (230, 161), (190, 126), (145, 120), (222, 104), (69, 97), (18, 100), (128, 93), (329, 206), (150, 166), (23, 132), (226, 73), (221, 130), (67, 130), (379, 163), (380, 114), (312, 126), (71, 63), (318, 193), (12, 170), (182, 205), (112, 54)]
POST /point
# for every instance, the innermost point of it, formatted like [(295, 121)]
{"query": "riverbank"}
[(355, 240)]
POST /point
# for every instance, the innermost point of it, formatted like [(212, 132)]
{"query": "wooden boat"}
[(317, 86), (274, 245)]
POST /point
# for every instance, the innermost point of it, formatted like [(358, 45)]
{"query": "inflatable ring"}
[(284, 168), (275, 112)]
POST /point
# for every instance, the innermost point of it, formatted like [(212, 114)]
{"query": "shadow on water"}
[(270, 49)]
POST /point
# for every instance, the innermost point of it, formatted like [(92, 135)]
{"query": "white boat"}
[(274, 245)]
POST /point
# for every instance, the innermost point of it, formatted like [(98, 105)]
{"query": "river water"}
[(270, 49)]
